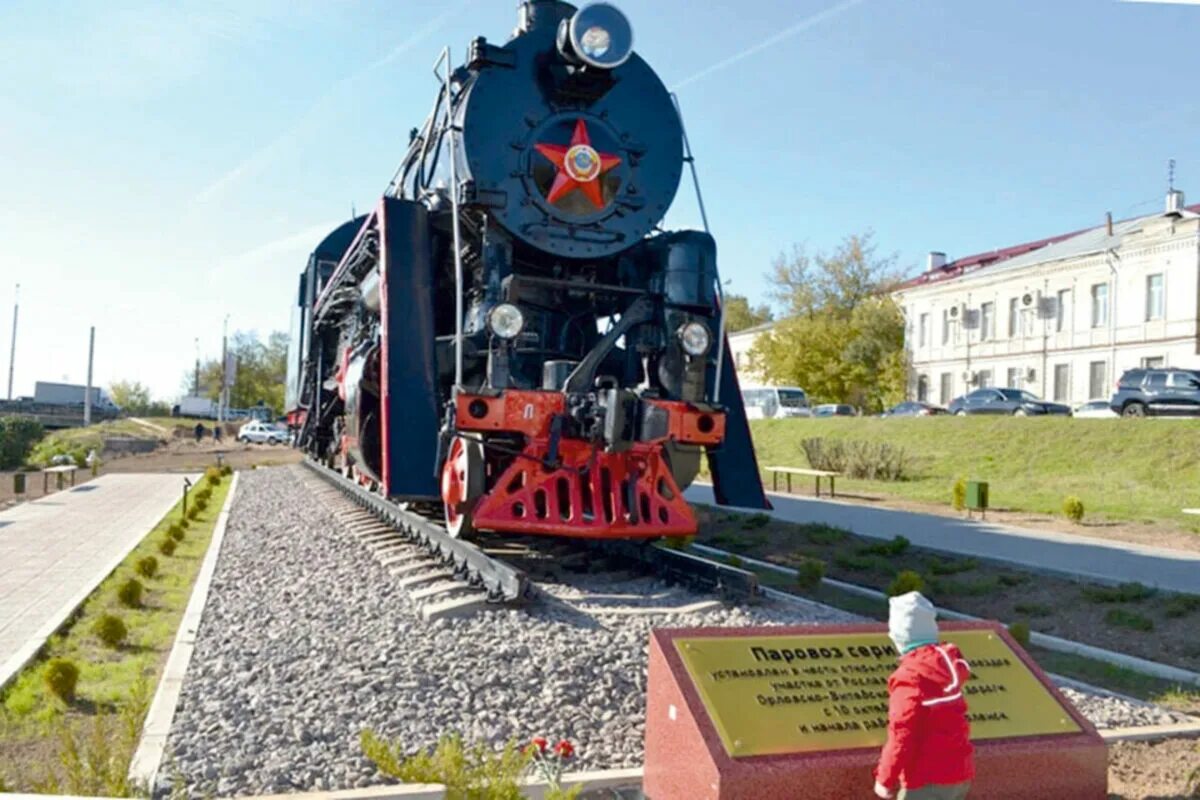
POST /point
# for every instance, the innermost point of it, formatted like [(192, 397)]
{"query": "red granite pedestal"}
[(686, 759)]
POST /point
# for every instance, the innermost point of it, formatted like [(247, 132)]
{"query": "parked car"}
[(1168, 392), (774, 402), (914, 408), (1094, 409), (260, 432), (834, 410), (1017, 402)]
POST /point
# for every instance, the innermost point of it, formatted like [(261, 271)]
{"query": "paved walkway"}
[(55, 550), (1081, 556)]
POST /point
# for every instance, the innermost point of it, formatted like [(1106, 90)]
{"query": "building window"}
[(985, 377), (1014, 378), (1154, 296), (1064, 310), (1062, 382), (946, 388), (1154, 362), (987, 321), (923, 329), (1099, 305), (1097, 378), (945, 326), (1012, 318), (922, 388)]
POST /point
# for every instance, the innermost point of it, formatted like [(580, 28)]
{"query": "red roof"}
[(961, 266)]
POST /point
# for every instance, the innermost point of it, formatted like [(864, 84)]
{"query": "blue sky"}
[(166, 164)]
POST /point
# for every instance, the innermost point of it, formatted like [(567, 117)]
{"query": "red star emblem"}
[(579, 166)]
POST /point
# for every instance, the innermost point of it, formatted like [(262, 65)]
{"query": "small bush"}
[(678, 542), (907, 581), (130, 593), (204, 494), (958, 495), (1073, 509), (167, 546), (752, 521), (897, 546), (853, 562), (1012, 579), (733, 561), (1125, 593), (873, 461), (200, 505), (939, 567), (60, 677), (824, 535), (809, 574), (1020, 632), (175, 531), (110, 630), (976, 588), (212, 476), (17, 437), (226, 470), (1180, 605), (1033, 609), (193, 512), (147, 567), (1132, 620)]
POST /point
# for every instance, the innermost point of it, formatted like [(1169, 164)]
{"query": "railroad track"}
[(446, 576)]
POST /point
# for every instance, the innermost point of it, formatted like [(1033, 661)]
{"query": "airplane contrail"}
[(774, 39)]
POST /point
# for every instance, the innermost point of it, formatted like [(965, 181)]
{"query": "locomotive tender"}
[(508, 333)]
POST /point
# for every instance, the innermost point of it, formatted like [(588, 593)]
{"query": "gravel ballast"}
[(306, 642)]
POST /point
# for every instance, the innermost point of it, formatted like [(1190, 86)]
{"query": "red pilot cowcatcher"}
[(579, 166)]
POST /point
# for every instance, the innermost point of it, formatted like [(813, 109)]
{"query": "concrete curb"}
[(15, 663), (147, 759), (1142, 665), (1150, 733)]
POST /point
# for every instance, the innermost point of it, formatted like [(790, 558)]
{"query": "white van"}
[(775, 402)]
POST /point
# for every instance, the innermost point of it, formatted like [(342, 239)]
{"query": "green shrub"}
[(200, 505), (678, 542), (1033, 609), (733, 561), (853, 562), (1123, 618), (1180, 605), (976, 588), (130, 593), (193, 512), (110, 630), (752, 521), (897, 546), (1013, 579), (809, 574), (959, 494), (204, 494), (907, 581), (1020, 633), (824, 535), (1073, 509), (226, 470), (60, 677), (147, 567), (17, 438), (952, 567), (175, 531), (212, 476), (823, 454), (1125, 593), (467, 771), (167, 546), (873, 461)]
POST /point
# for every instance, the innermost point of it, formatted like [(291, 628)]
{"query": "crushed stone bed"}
[(306, 642)]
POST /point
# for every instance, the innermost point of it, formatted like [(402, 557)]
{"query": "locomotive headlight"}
[(695, 338), (506, 321), (599, 35)]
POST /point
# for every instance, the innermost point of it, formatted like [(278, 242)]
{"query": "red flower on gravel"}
[(539, 743), (564, 749)]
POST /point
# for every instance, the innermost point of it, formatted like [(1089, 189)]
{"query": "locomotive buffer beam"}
[(731, 584), (502, 582)]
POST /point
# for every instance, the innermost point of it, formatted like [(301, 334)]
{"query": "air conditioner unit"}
[(971, 378), (1027, 299), (1030, 375), (971, 318), (1047, 307)]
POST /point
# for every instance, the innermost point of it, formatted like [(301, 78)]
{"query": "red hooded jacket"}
[(928, 733)]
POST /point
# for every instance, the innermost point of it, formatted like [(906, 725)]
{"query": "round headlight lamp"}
[(599, 35), (506, 321), (695, 338)]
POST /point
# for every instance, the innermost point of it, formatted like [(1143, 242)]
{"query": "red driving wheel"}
[(462, 485)]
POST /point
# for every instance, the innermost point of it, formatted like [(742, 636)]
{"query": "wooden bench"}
[(59, 471), (790, 471)]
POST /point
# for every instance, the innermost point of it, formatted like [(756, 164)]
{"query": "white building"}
[(740, 344), (1061, 317)]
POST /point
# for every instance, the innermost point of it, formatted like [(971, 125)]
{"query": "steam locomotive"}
[(508, 333)]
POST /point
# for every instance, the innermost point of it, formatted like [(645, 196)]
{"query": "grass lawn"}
[(1138, 470), (78, 441), (84, 747)]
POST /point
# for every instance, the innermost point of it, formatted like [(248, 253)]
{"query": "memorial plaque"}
[(798, 712), (794, 694)]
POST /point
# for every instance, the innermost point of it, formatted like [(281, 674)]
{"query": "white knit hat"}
[(912, 620)]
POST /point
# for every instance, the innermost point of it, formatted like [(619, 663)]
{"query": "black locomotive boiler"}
[(508, 332)]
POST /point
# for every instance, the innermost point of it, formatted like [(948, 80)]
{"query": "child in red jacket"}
[(928, 751)]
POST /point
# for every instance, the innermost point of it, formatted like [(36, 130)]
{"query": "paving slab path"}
[(1083, 557), (55, 550)]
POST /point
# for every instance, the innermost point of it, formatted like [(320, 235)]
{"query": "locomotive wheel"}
[(462, 485)]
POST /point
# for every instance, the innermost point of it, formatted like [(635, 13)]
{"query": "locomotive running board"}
[(732, 584), (502, 582)]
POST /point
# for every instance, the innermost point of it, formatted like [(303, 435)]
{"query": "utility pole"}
[(196, 374), (87, 396), (12, 351), (223, 395)]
